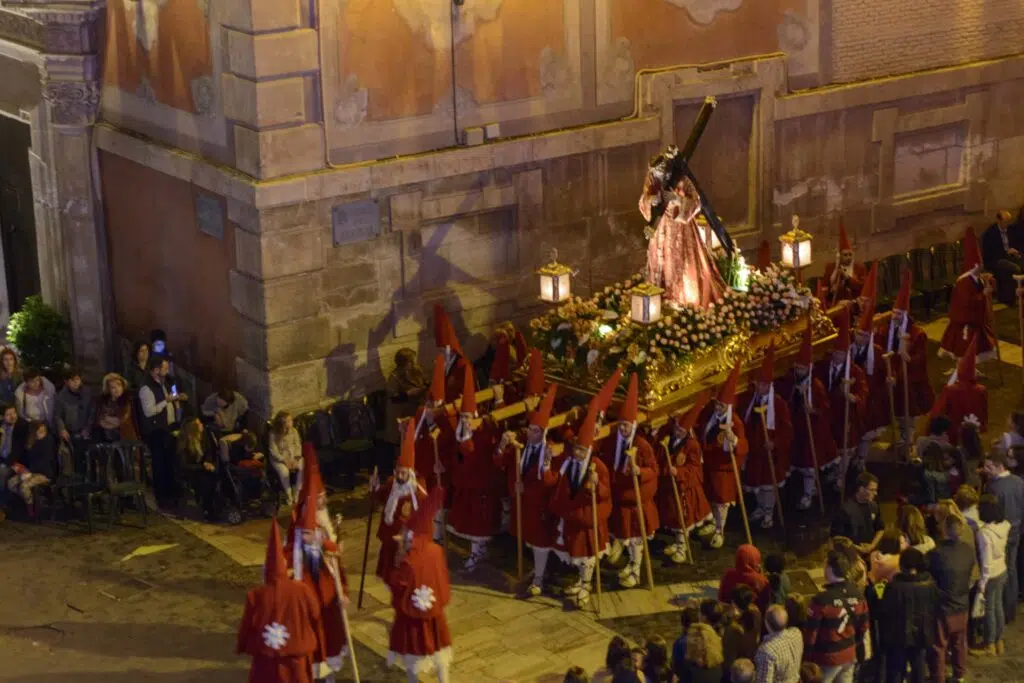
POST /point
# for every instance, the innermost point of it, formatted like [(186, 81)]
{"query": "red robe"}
[(959, 400), (289, 604), (920, 394), (875, 414), (689, 463), (455, 380), (758, 474), (386, 532), (849, 287), (427, 456), (334, 639), (573, 508), (538, 487), (477, 486), (420, 591), (824, 444), (624, 522), (837, 398), (718, 471), (968, 315)]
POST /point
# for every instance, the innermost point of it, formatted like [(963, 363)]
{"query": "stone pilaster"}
[(269, 88)]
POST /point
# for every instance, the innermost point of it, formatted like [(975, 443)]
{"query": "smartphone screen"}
[(158, 346), (174, 390)]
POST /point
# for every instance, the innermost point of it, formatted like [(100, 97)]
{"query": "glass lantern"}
[(646, 303), (555, 281), (796, 247)]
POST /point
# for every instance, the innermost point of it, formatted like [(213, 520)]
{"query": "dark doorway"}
[(17, 216)]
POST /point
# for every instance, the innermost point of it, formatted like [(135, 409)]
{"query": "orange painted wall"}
[(166, 273), (661, 34), (180, 55)]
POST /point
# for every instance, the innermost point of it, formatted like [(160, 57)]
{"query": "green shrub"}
[(41, 335)]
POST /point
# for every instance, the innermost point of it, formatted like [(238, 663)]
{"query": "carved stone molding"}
[(20, 28), (73, 102)]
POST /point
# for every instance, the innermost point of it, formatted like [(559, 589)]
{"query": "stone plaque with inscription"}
[(355, 222)]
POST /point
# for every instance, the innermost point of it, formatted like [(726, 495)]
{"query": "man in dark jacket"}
[(908, 618), (1001, 246), (951, 564)]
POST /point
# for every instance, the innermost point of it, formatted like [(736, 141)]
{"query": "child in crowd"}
[(775, 570)]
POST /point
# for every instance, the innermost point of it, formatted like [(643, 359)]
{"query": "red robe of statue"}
[(624, 523), (824, 444), (849, 287), (420, 591), (571, 504), (476, 500), (281, 631), (968, 314), (688, 460), (833, 383), (920, 394), (875, 414), (959, 400), (538, 487), (718, 473), (758, 475), (386, 532), (321, 582)]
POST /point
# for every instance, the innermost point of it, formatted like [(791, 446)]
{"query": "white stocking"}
[(809, 488), (766, 500), (439, 526), (540, 564), (636, 552), (587, 573), (478, 548), (681, 539), (720, 512)]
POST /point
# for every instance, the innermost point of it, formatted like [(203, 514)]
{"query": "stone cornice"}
[(66, 27), (21, 28)]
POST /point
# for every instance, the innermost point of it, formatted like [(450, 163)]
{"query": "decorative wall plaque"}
[(355, 222)]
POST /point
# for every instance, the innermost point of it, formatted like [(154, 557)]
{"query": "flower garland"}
[(585, 332)]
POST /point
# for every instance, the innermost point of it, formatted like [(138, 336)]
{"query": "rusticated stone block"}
[(258, 16), (291, 387), (261, 104), (275, 301), (272, 54), (292, 342), (279, 254), (279, 152)]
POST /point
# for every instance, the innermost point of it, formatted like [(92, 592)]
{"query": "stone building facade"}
[(290, 201)]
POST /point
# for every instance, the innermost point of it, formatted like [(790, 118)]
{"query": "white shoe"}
[(706, 530), (758, 515), (472, 561), (679, 557), (534, 590), (625, 570), (717, 541), (582, 598), (574, 589), (631, 579), (805, 502), (672, 549), (615, 551), (768, 521)]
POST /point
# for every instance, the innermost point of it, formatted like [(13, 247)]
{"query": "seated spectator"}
[(10, 375), (576, 675), (742, 671), (225, 410), (114, 415), (741, 636), (34, 398), (286, 455), (137, 372), (655, 665), (616, 654), (703, 660), (993, 535), (1000, 245), (689, 616), (243, 451), (837, 623), (746, 572), (36, 466), (198, 468), (951, 565), (914, 531), (779, 655), (778, 582), (907, 625), (75, 410), (13, 431), (885, 560), (810, 673), (859, 518)]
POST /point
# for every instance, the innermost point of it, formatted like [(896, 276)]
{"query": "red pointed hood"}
[(521, 349), (727, 393), (421, 521), (542, 415), (844, 239), (767, 371), (630, 407), (588, 430), (311, 479), (806, 354), (688, 420), (604, 397), (764, 255), (407, 456), (468, 404), (972, 257), (535, 374), (903, 298), (843, 336), (306, 519), (436, 391), (870, 289), (866, 323), (275, 567), (501, 367), (444, 331)]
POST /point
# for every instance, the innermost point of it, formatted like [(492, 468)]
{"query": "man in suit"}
[(1001, 247)]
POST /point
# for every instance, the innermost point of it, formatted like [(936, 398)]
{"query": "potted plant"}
[(42, 336)]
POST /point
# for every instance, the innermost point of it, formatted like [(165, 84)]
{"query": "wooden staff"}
[(907, 418), (597, 552), (739, 490), (519, 506), (680, 505), (437, 474), (763, 411), (1020, 315), (366, 543), (995, 334), (846, 434), (897, 433), (814, 454), (640, 517), (335, 572)]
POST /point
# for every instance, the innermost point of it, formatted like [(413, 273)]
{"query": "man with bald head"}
[(778, 658), (742, 671)]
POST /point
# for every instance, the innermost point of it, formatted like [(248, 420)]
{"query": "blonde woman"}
[(704, 657), (198, 466), (914, 530), (286, 455), (10, 374)]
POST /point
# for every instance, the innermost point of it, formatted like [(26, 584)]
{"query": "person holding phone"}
[(160, 405)]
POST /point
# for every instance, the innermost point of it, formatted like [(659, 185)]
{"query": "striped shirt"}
[(837, 621), (778, 658)]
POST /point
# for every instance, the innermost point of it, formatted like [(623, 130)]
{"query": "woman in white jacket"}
[(34, 398), (286, 455), (992, 536)]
